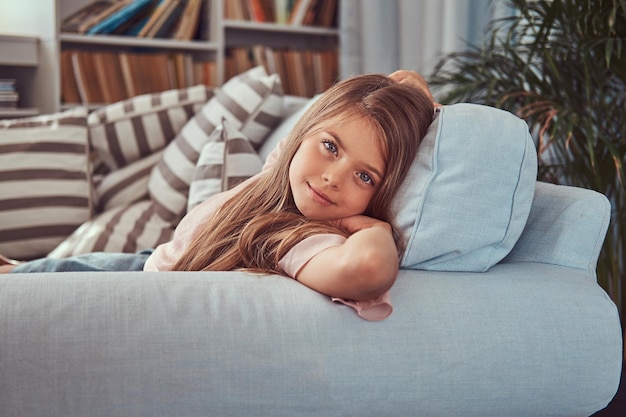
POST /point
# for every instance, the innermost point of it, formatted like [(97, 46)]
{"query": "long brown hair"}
[(255, 228)]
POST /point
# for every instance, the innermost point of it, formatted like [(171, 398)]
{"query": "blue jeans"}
[(97, 261)]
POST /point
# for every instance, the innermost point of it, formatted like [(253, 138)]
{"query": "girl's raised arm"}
[(362, 268)]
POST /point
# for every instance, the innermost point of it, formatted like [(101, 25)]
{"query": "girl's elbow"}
[(377, 275)]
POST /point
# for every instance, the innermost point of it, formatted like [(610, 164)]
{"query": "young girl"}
[(320, 210)]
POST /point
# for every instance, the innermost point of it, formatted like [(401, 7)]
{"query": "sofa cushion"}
[(44, 181), (467, 196), (132, 129), (251, 102), (225, 161)]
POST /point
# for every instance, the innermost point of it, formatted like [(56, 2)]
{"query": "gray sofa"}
[(515, 326)]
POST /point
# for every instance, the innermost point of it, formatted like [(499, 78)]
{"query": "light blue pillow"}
[(468, 194)]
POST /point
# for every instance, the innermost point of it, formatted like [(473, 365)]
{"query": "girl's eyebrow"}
[(367, 166)]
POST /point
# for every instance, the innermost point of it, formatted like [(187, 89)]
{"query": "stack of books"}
[(172, 19), (8, 94)]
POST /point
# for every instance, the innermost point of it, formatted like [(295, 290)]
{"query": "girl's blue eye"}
[(366, 178), (330, 146)]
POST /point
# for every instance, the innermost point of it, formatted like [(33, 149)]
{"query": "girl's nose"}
[(334, 175)]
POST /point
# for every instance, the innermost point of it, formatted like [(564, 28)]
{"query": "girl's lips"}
[(319, 196)]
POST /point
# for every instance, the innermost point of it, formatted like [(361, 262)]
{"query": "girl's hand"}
[(359, 222), (413, 79)]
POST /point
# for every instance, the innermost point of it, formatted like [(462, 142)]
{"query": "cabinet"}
[(221, 47)]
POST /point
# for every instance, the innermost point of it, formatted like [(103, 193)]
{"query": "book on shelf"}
[(99, 77), (302, 72), (69, 86), (89, 15), (299, 11), (321, 13), (7, 84), (176, 19), (189, 21), (155, 17), (122, 18), (166, 20), (8, 93)]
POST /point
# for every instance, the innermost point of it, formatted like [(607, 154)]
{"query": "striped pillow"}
[(251, 101), (44, 181), (126, 185), (129, 130), (225, 161), (129, 228)]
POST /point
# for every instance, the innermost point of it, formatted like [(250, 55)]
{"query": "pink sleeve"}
[(377, 309)]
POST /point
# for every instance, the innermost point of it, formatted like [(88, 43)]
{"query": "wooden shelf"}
[(69, 39), (19, 50), (19, 112), (279, 27)]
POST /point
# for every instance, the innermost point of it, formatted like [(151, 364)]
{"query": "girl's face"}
[(337, 169)]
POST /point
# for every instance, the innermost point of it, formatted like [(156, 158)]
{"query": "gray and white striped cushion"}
[(251, 102), (126, 185), (129, 228), (224, 162), (131, 129), (44, 181)]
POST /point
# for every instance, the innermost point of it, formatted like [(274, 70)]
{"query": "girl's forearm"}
[(362, 268)]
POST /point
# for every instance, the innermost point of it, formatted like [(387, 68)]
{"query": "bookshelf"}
[(19, 58), (208, 57)]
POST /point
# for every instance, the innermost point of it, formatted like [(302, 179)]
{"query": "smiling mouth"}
[(319, 196)]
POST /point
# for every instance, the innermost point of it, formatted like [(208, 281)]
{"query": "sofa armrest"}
[(566, 226), (518, 340)]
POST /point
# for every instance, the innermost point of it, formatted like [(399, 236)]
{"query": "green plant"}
[(561, 66)]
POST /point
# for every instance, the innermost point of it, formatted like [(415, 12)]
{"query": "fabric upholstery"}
[(566, 226), (45, 191), (513, 341)]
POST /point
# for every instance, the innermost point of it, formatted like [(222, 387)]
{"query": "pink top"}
[(165, 255)]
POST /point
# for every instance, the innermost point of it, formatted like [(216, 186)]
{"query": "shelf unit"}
[(19, 59), (42, 19)]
